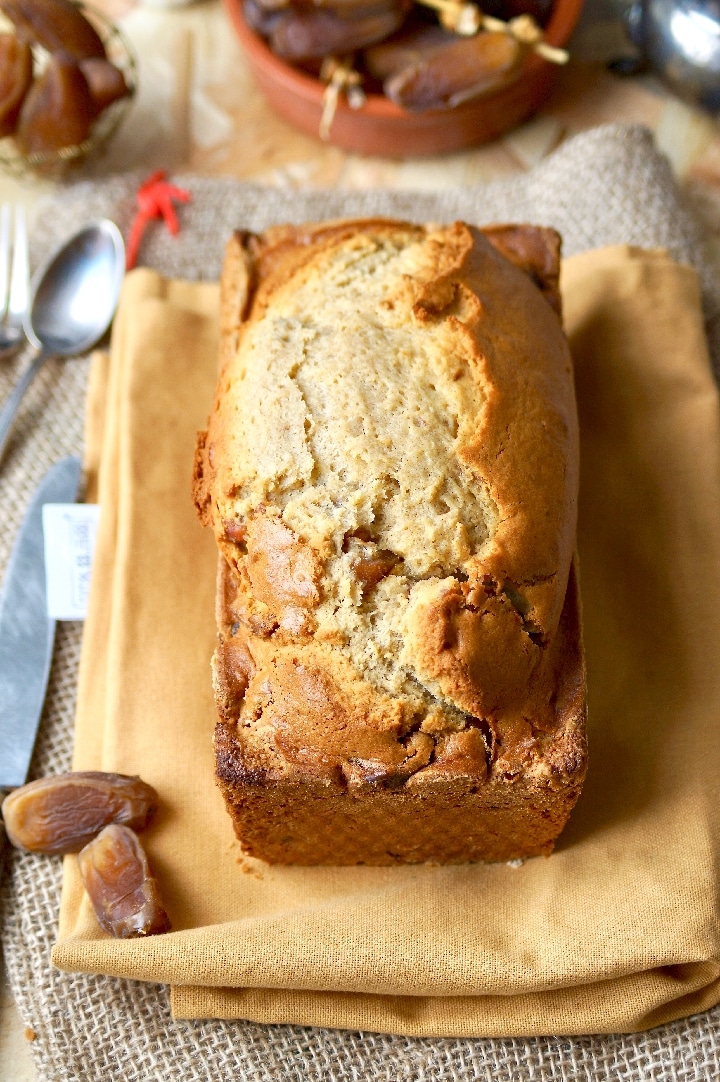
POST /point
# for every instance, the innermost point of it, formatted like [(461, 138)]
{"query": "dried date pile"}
[(431, 54), (55, 76), (95, 815)]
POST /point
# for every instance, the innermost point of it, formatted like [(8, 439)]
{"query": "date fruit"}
[(106, 83), (58, 110), (409, 46), (261, 18), (117, 878), (347, 9), (16, 66), (312, 35), (61, 814), (58, 25), (370, 564), (458, 72)]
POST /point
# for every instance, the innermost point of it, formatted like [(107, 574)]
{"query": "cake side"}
[(391, 473), (343, 790)]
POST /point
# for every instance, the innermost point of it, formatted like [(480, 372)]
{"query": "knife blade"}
[(27, 633)]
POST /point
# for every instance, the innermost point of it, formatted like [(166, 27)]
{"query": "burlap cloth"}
[(606, 187)]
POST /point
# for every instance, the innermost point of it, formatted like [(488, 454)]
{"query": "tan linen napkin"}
[(619, 929)]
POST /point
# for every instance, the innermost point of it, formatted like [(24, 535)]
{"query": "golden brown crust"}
[(319, 706), (336, 787), (481, 640), (536, 251), (486, 687), (236, 290)]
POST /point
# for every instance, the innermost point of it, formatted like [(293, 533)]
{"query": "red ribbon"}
[(154, 200)]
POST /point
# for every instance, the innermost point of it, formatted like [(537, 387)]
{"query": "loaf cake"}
[(390, 469)]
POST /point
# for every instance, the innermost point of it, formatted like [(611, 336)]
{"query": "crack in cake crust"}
[(391, 473)]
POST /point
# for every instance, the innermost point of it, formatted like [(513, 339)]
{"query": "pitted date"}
[(123, 892), (15, 78), (58, 25), (106, 82), (61, 814), (58, 110), (301, 35), (455, 72)]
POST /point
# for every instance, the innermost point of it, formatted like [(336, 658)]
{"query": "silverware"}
[(27, 633), (74, 297), (14, 278), (680, 40)]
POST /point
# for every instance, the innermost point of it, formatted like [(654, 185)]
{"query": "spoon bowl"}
[(75, 293), (74, 297)]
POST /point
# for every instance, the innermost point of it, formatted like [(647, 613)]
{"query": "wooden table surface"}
[(197, 110)]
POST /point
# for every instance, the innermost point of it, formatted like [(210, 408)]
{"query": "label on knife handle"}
[(69, 532)]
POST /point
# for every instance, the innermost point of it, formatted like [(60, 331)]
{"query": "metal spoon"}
[(74, 297)]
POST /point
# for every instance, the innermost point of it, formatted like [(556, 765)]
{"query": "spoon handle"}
[(12, 404)]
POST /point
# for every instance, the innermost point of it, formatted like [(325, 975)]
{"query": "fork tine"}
[(4, 257), (19, 281)]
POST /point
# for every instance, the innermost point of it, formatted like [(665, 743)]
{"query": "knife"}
[(27, 633)]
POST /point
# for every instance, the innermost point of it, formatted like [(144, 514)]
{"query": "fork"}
[(14, 278)]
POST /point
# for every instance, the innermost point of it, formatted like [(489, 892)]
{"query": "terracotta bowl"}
[(382, 128)]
